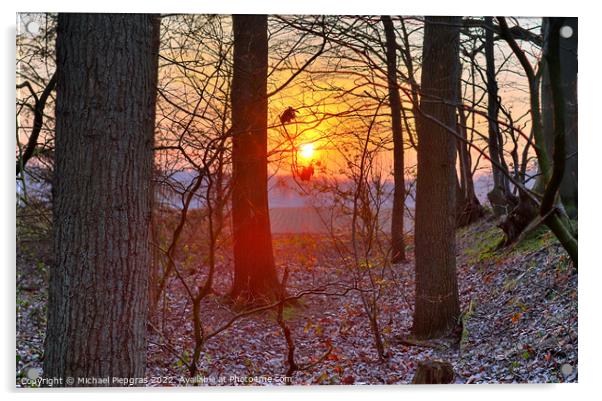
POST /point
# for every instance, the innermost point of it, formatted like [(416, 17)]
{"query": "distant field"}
[(307, 220), (296, 220)]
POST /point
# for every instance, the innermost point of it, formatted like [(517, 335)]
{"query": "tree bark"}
[(437, 307), (105, 115), (397, 230), (255, 276)]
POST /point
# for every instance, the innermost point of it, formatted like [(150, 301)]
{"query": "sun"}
[(306, 151)]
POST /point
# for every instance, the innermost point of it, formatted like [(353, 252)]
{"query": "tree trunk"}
[(500, 196), (468, 207), (559, 225), (105, 115), (437, 307), (397, 244), (255, 276), (568, 70)]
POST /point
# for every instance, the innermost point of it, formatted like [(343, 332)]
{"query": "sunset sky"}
[(334, 96)]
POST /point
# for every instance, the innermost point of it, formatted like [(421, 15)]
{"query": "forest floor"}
[(519, 303)]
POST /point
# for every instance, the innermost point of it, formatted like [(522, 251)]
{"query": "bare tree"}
[(36, 81), (398, 253), (524, 215), (468, 206), (500, 196)]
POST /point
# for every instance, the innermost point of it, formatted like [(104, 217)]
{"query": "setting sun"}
[(298, 199), (307, 150)]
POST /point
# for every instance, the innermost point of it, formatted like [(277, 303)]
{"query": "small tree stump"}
[(434, 372)]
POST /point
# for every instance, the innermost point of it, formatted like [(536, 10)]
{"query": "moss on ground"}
[(487, 240), (537, 239), (485, 246)]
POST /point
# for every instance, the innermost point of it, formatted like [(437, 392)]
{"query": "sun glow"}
[(306, 151)]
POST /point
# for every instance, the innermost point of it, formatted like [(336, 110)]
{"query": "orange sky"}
[(335, 139)]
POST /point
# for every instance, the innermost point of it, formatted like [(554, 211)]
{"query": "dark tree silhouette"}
[(398, 253), (437, 307), (557, 223), (105, 112), (468, 207), (255, 276), (568, 73), (500, 196)]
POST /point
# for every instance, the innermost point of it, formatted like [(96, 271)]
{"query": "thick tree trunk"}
[(397, 244), (437, 307), (105, 114), (568, 71), (500, 196), (255, 276)]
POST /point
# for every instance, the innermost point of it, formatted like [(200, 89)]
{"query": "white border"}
[(591, 145)]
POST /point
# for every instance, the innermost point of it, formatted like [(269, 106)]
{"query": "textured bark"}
[(105, 112), (254, 272), (568, 71), (397, 244), (436, 307)]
